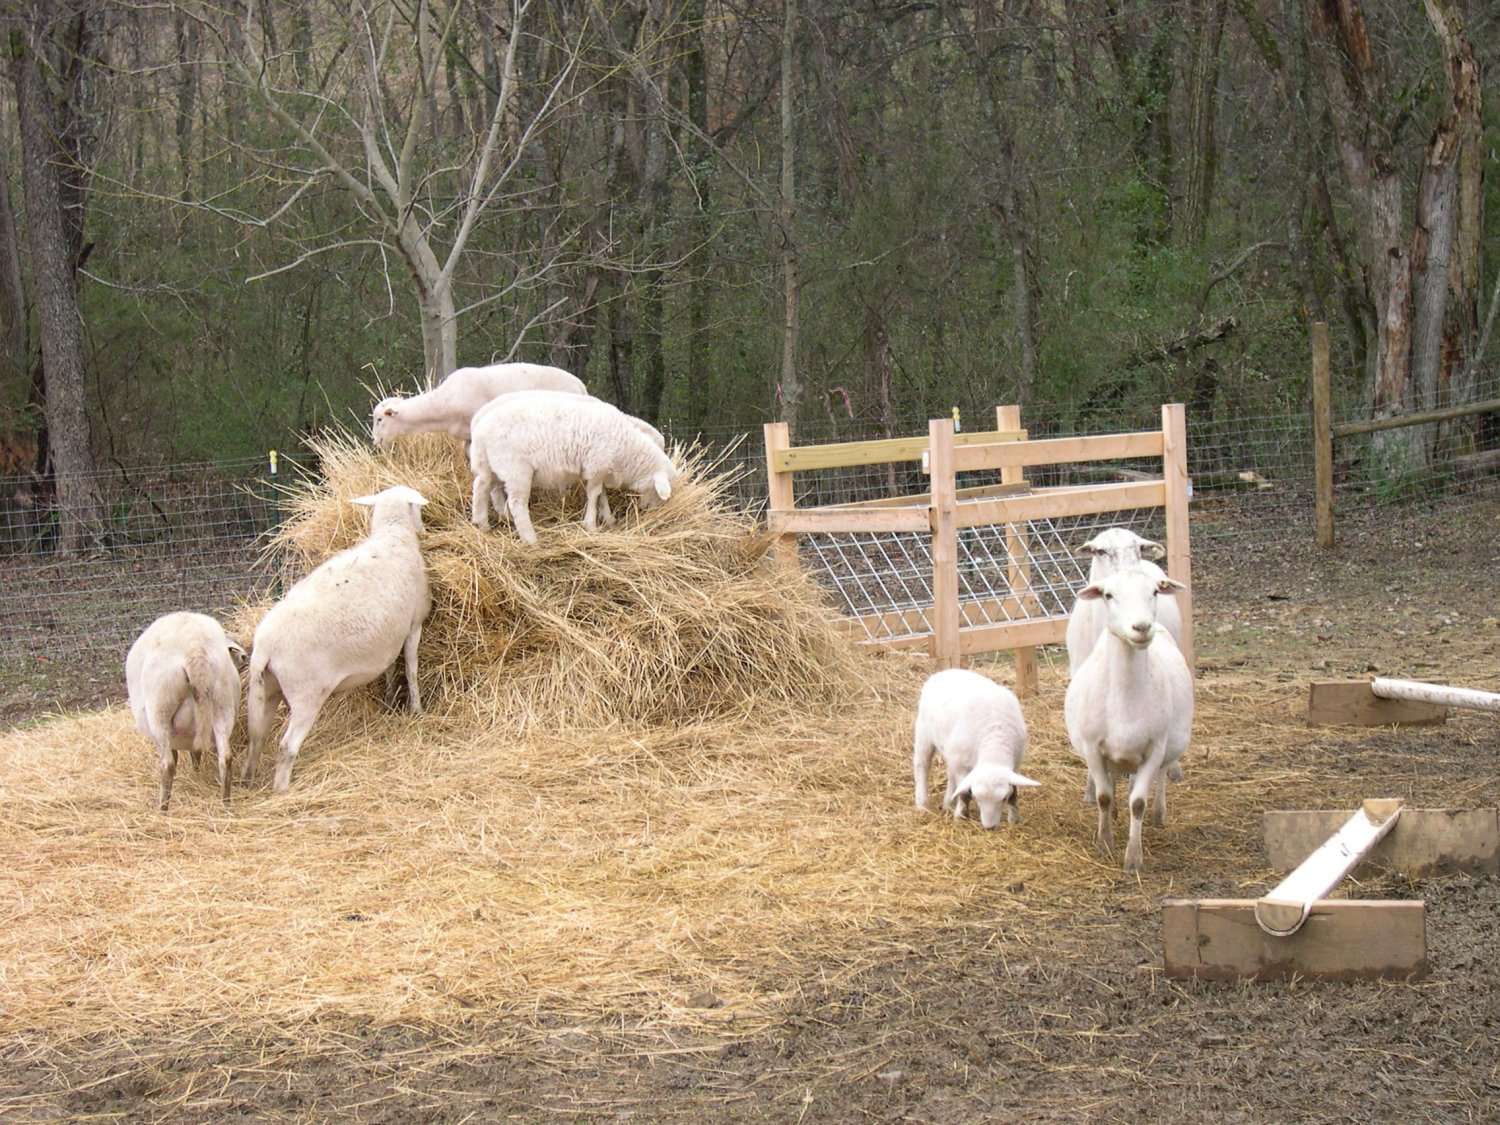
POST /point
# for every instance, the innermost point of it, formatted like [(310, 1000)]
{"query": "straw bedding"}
[(653, 784)]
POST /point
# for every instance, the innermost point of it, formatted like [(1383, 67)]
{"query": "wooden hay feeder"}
[(1296, 931), (1384, 702)]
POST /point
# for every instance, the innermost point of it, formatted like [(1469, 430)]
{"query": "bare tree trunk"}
[(44, 131), (1415, 281), (15, 342), (1206, 26), (996, 56), (1458, 141), (695, 68), (791, 386), (185, 34)]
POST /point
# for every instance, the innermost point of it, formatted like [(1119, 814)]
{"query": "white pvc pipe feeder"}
[(1435, 693), (1282, 912)]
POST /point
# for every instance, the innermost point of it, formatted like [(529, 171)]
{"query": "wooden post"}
[(1322, 411), (1018, 554), (779, 494), (943, 514), (1174, 471)]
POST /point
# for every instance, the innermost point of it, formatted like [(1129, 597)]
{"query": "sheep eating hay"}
[(184, 687), (341, 627), (681, 617), (550, 440), (978, 728)]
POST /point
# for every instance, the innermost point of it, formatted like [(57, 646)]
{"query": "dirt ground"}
[(984, 1014)]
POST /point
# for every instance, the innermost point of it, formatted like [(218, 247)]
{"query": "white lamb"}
[(977, 726), (340, 627), (1115, 548), (1129, 707), (549, 440), (184, 688), (451, 405)]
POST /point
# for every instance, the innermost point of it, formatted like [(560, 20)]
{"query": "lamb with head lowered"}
[(977, 727), (340, 627), (540, 439)]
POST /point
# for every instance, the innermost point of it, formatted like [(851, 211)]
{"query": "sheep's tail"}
[(205, 684)]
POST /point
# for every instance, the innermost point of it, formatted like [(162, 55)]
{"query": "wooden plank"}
[(1057, 451), (922, 499), (779, 493), (834, 521), (1058, 503), (1283, 910), (1014, 634), (1351, 702), (1018, 557), (1217, 939), (1424, 842), (1400, 421), (838, 455), (1179, 549), (945, 619)]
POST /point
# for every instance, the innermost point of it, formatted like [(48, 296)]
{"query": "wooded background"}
[(229, 224)]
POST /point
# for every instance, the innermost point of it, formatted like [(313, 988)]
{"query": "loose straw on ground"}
[(652, 773)]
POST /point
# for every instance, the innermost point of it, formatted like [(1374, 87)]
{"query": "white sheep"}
[(340, 627), (549, 440), (184, 688), (451, 405), (1129, 706), (1115, 548), (977, 726)]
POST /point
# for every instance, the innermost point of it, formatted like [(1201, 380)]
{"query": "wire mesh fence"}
[(193, 536)]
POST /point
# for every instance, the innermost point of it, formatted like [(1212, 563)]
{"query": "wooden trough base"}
[(1221, 939), (1385, 702)]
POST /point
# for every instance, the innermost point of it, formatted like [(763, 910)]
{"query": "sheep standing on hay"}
[(977, 726), (340, 627), (184, 687), (451, 405), (550, 440), (1129, 707)]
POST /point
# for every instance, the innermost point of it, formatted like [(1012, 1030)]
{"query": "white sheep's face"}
[(380, 422), (993, 790), (1118, 548), (1130, 600)]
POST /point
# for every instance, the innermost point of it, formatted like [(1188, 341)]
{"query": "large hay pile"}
[(673, 615)]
